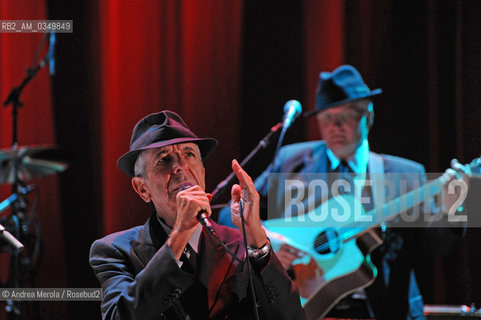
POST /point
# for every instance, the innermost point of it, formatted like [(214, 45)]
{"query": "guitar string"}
[(408, 197)]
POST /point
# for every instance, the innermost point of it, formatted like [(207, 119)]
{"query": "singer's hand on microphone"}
[(189, 202), (246, 194)]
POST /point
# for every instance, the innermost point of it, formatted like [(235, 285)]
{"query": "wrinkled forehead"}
[(178, 147), (155, 153)]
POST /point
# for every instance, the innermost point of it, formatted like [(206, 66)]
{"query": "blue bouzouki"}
[(340, 251)]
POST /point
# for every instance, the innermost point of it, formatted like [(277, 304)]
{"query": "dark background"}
[(228, 67)]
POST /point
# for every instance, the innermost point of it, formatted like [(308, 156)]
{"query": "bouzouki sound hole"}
[(327, 242)]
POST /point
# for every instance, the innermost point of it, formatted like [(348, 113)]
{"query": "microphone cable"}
[(246, 260), (202, 217), (216, 237), (249, 267)]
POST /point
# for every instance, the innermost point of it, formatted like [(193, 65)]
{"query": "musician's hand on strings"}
[(246, 194), (287, 254), (455, 190)]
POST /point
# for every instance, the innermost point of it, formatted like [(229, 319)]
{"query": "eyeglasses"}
[(349, 117)]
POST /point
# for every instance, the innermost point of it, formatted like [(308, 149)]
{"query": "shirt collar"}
[(193, 241), (358, 162)]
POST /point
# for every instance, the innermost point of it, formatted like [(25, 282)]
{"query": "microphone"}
[(10, 239), (51, 54), (202, 216), (292, 110), (205, 221)]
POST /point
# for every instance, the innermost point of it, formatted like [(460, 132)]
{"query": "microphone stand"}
[(261, 145), (14, 96), (224, 183), (19, 206), (279, 144)]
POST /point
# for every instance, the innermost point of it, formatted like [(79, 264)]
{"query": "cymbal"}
[(33, 162)]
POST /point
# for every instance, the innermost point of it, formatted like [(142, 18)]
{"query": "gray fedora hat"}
[(159, 130), (339, 87)]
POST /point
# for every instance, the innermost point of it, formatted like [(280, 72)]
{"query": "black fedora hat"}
[(159, 130), (339, 87)]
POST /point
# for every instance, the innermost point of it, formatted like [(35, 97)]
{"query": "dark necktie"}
[(344, 167), (345, 172), (189, 259)]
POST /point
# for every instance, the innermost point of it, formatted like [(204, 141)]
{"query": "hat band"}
[(160, 134)]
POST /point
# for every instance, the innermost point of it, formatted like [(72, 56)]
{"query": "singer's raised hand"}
[(245, 194)]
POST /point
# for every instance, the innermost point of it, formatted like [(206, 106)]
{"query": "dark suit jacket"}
[(141, 279), (395, 293)]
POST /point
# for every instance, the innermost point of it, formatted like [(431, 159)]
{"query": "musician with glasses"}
[(344, 111)]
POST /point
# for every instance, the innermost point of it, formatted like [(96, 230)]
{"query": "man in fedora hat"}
[(344, 111), (172, 268)]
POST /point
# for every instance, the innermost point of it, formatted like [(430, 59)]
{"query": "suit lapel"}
[(305, 164), (376, 174), (215, 268), (150, 240), (322, 164)]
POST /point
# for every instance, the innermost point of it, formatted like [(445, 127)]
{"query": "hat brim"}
[(374, 92), (127, 161)]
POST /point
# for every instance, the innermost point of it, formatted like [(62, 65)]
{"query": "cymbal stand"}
[(19, 206)]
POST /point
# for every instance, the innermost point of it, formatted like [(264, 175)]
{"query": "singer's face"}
[(166, 169), (345, 127)]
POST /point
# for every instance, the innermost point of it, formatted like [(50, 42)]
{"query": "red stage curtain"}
[(181, 55), (35, 127), (324, 46)]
